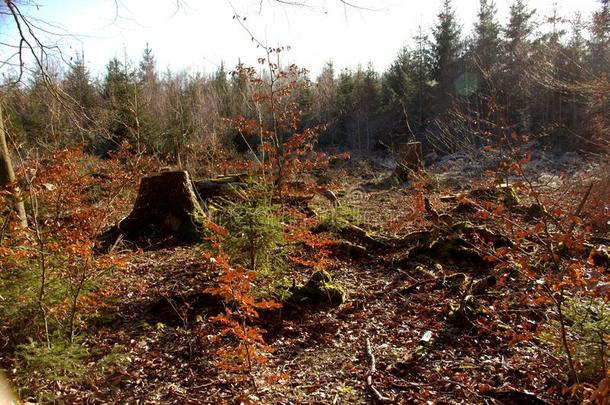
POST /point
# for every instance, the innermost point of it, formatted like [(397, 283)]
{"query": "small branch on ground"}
[(581, 206), (369, 378)]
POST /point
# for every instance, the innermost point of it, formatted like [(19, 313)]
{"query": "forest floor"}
[(158, 317)]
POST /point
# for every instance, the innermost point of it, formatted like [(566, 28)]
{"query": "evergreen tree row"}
[(530, 76)]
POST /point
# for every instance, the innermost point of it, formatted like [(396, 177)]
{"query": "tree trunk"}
[(7, 175)]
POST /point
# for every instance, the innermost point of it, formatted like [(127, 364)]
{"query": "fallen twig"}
[(372, 370), (582, 204), (455, 279), (413, 286)]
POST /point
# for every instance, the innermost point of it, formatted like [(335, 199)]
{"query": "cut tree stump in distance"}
[(409, 161)]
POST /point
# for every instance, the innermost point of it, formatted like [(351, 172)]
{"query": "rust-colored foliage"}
[(553, 250), (72, 198), (281, 151), (240, 312), (284, 148)]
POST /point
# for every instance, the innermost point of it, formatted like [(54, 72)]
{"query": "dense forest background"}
[(530, 76)]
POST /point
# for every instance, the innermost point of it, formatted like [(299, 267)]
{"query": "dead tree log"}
[(235, 188), (165, 206), (230, 187)]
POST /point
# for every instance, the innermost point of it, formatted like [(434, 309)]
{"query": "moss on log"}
[(320, 289), (348, 249)]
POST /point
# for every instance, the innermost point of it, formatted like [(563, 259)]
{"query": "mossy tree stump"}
[(165, 206), (319, 290)]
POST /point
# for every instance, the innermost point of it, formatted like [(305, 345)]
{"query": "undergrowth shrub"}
[(281, 161), (338, 217), (52, 279), (53, 266), (59, 361), (552, 239), (262, 229), (256, 236), (62, 361), (588, 320), (241, 348)]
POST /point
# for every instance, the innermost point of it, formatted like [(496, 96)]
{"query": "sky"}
[(199, 35)]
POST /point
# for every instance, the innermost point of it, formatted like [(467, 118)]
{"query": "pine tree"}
[(549, 103), (41, 115), (400, 92), (599, 56), (446, 51), (398, 87), (477, 86), (177, 125), (345, 103), (145, 105), (422, 56), (487, 36), (147, 73), (515, 86), (239, 88), (577, 45), (34, 112), (117, 92), (573, 69), (599, 46), (519, 30), (220, 84), (365, 94), (304, 97), (326, 93), (553, 36), (77, 84)]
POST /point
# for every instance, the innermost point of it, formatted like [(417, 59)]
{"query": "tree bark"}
[(165, 206), (7, 175)]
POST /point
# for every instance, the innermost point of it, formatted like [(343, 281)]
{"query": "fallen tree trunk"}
[(353, 233), (230, 187), (234, 188)]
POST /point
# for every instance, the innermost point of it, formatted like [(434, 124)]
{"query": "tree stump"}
[(409, 160), (165, 206)]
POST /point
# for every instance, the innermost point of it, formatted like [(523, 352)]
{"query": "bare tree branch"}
[(29, 43)]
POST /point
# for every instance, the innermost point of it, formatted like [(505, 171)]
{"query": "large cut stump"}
[(409, 160), (165, 206)]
